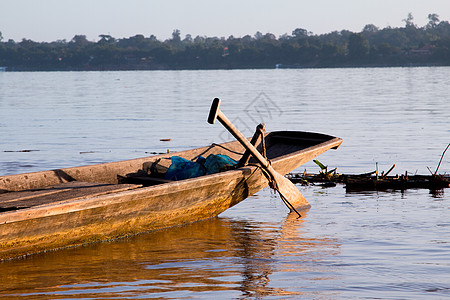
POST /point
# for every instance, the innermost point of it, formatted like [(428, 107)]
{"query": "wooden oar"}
[(287, 190)]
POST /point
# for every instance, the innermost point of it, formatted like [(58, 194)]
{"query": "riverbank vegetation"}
[(410, 45)]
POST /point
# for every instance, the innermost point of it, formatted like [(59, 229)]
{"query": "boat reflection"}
[(221, 256)]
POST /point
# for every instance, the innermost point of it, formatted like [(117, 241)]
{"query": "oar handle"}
[(241, 138), (216, 113)]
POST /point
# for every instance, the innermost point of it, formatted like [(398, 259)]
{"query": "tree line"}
[(410, 45)]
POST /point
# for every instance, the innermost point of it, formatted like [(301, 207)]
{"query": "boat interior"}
[(40, 188)]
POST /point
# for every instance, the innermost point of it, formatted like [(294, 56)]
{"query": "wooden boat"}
[(72, 206)]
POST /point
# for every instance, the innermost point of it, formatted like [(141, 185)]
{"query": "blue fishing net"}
[(215, 163), (182, 168)]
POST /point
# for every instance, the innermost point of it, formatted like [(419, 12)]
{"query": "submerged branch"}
[(442, 156)]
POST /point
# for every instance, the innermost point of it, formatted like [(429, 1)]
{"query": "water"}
[(383, 245)]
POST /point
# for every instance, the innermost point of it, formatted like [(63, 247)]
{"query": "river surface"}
[(360, 245)]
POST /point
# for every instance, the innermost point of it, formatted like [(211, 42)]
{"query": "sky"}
[(52, 20)]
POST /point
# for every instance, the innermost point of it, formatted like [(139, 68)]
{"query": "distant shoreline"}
[(226, 69), (372, 47)]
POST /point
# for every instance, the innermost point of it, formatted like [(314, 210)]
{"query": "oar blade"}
[(290, 192)]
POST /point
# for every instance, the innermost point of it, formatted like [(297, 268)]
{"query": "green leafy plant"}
[(324, 170)]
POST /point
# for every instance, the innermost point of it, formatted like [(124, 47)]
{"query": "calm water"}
[(373, 245)]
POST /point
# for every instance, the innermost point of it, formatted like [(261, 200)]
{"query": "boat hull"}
[(137, 209)]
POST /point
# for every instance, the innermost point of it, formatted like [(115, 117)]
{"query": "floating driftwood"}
[(25, 150), (374, 180)]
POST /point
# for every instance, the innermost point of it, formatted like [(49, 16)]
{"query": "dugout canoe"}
[(51, 209)]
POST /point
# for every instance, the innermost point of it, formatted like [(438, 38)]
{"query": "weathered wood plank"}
[(65, 191)]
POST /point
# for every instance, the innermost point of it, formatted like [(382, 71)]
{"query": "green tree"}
[(176, 36), (258, 35), (188, 39), (300, 33), (106, 39), (385, 49), (358, 46), (370, 28), (433, 20), (79, 41), (409, 21), (329, 51)]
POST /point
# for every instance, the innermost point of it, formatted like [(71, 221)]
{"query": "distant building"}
[(425, 50)]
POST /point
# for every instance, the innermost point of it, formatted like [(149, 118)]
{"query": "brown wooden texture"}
[(66, 191), (131, 209), (259, 132)]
